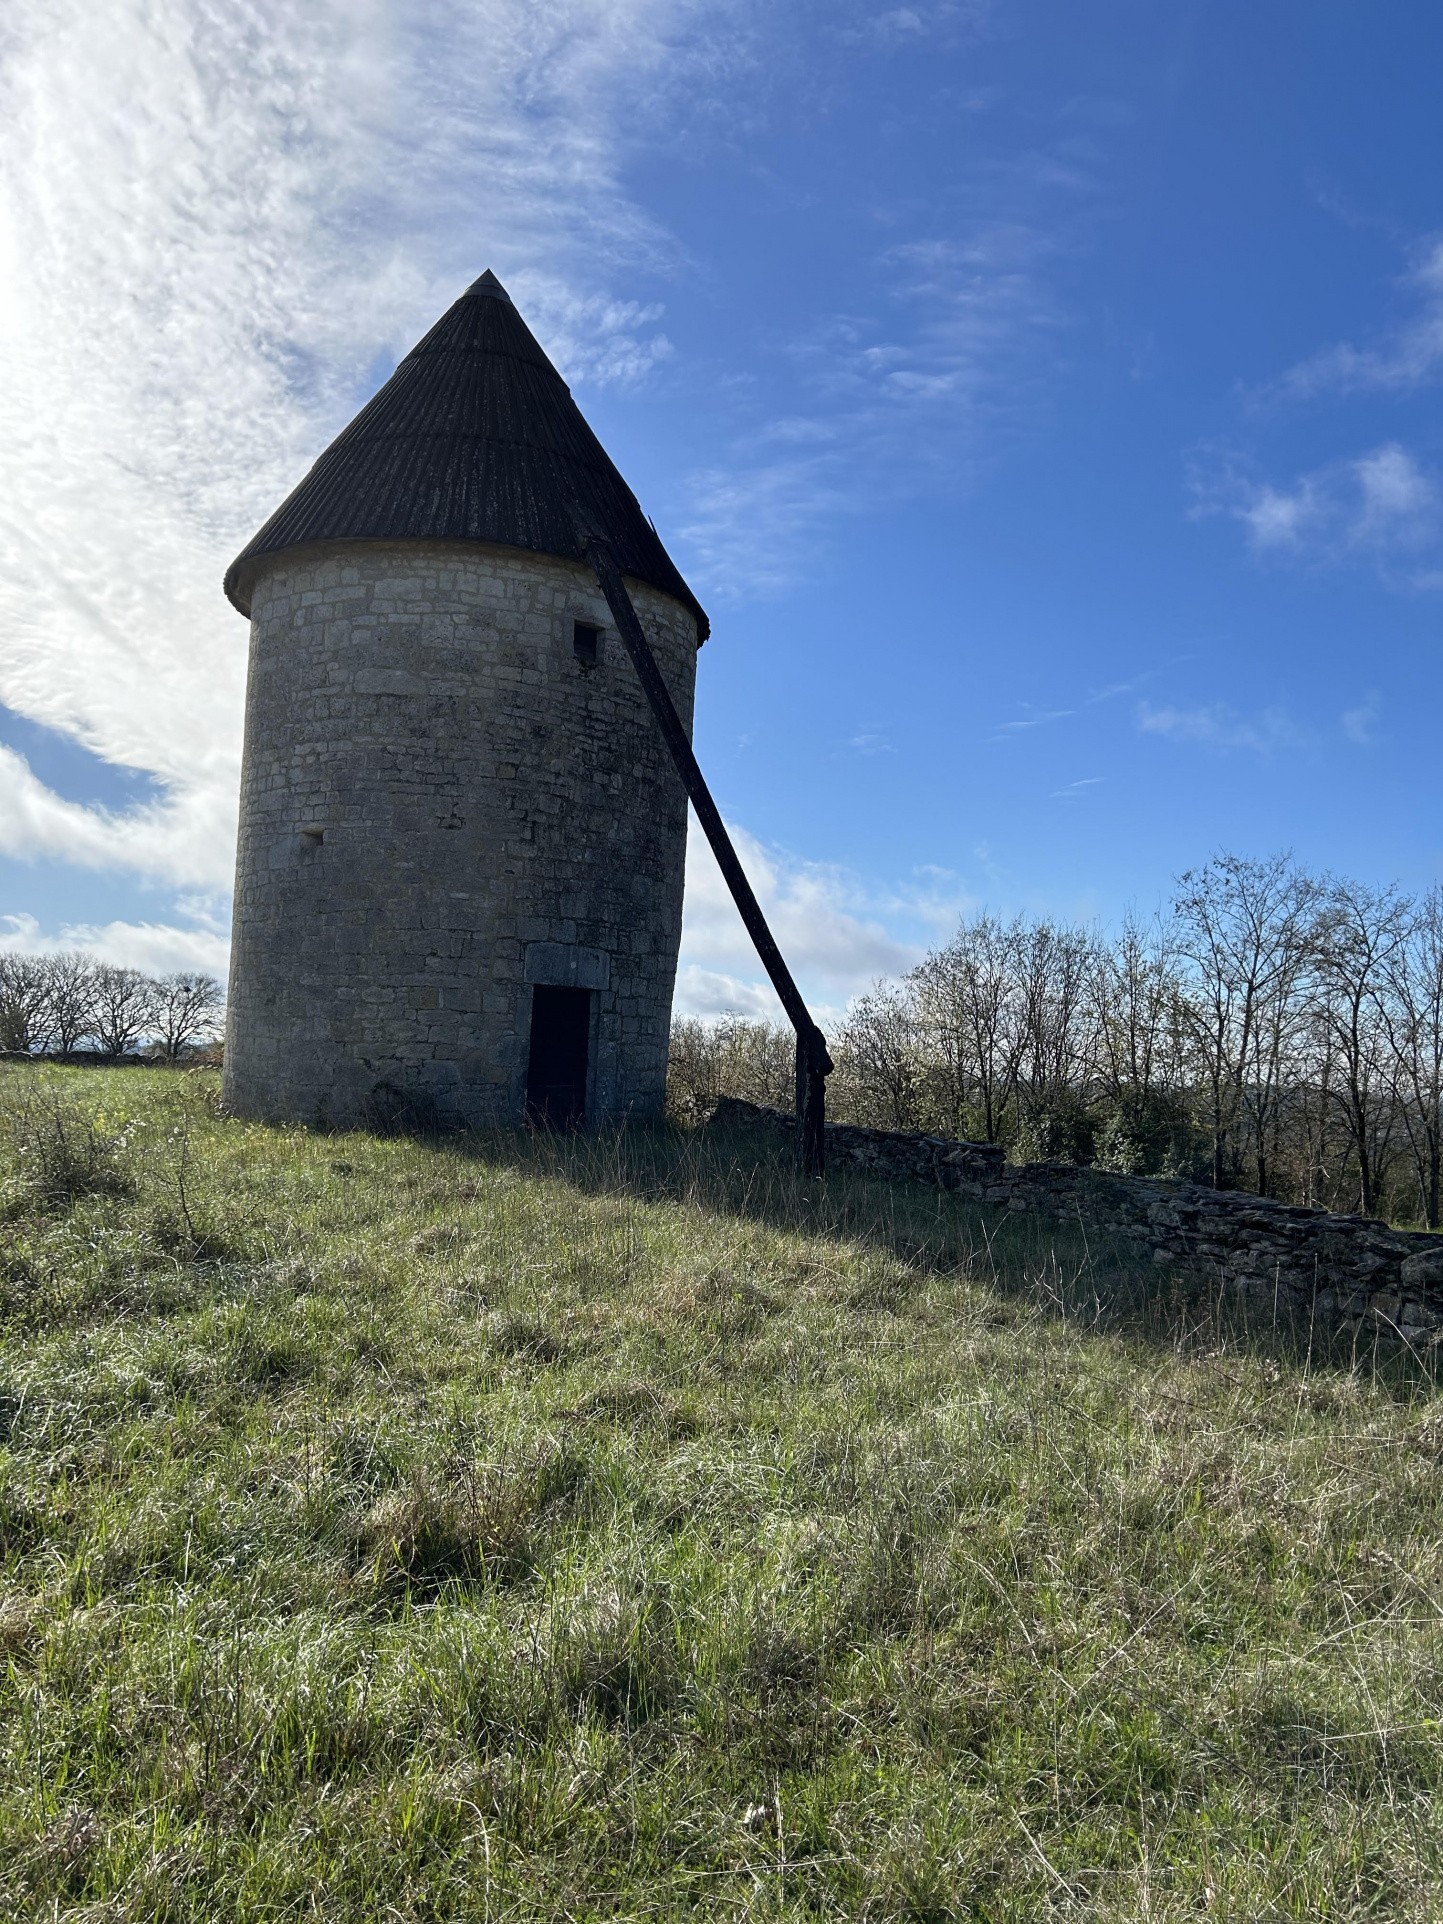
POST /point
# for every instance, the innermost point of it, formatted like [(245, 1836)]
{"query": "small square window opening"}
[(586, 643)]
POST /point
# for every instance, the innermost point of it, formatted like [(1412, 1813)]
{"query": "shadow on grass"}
[(1068, 1272)]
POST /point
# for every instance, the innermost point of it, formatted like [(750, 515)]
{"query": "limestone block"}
[(1424, 1269)]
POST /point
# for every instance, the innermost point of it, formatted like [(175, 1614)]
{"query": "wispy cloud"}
[(1035, 718), (1383, 507), (1360, 724), (748, 526), (1410, 355), (899, 23), (837, 935), (598, 341), (1074, 791), (905, 26), (218, 226), (1216, 725), (884, 400), (1032, 717)]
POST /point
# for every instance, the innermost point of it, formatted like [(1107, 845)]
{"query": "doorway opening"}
[(560, 1057)]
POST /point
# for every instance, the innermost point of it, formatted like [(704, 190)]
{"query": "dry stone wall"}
[(1347, 1270)]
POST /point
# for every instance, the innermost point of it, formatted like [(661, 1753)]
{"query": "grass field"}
[(500, 1529)]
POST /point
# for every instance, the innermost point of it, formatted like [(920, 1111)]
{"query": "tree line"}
[(67, 1002), (1270, 1030)]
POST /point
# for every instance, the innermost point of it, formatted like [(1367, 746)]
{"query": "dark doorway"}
[(560, 1056)]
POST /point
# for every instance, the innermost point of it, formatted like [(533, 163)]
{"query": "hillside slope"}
[(499, 1529)]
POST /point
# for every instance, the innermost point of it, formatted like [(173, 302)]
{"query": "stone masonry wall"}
[(441, 808), (1346, 1270)]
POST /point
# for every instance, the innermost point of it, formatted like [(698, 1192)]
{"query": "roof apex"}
[(487, 283), (475, 437)]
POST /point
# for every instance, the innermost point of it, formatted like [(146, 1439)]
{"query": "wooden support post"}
[(814, 1064), (812, 1106)]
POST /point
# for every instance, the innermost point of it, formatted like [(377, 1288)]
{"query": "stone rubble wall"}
[(1345, 1270)]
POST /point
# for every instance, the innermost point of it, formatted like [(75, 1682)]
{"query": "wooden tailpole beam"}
[(814, 1064)]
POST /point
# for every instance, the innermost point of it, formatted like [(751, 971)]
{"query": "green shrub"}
[(58, 1149)]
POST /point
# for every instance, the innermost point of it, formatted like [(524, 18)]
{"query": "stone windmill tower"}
[(459, 877)]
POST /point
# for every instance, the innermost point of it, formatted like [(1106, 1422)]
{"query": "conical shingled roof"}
[(475, 437)]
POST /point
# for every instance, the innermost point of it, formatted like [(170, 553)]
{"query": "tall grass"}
[(519, 1528)]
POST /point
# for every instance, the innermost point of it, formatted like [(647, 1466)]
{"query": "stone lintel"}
[(565, 965)]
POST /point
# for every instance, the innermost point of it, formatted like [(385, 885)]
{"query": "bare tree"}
[(69, 999), (968, 1009), (22, 1002), (1136, 993), (1413, 1013), (187, 1009), (690, 1070), (1293, 1026), (878, 1056), (1356, 939), (1058, 1042), (1141, 1051), (1319, 1144), (124, 1005), (730, 1057), (1244, 926)]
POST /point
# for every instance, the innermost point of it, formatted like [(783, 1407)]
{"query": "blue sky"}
[(1044, 400)]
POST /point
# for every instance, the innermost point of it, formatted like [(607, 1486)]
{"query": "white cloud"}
[(1382, 506), (186, 837), (1275, 519), (214, 223), (1217, 725), (835, 935), (157, 947), (1411, 355), (1397, 501), (709, 992)]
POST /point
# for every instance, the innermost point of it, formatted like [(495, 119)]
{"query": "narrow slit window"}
[(586, 643), (313, 836)]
